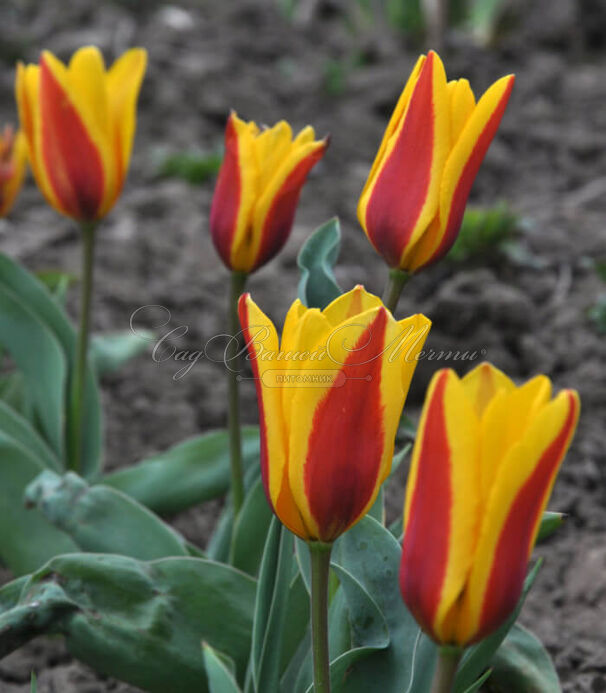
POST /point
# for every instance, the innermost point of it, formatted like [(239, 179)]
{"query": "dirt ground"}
[(343, 76)]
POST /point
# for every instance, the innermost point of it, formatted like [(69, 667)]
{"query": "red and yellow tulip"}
[(330, 397), (258, 189), (79, 122), (412, 205), (13, 163), (484, 463)]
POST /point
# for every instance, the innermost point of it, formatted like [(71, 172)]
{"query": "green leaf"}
[(33, 683), (39, 302), (39, 357), (189, 473), (478, 658), (549, 523), (318, 286), (27, 540), (270, 608), (372, 556), (102, 520), (220, 678), (20, 429), (479, 683), (57, 283), (251, 530), (109, 352), (522, 664), (140, 622), (193, 167)]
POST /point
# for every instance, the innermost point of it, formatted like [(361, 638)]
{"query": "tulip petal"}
[(511, 519), (460, 172), (462, 104), (339, 440), (124, 80), (234, 196), (262, 340), (9, 189), (442, 506), (349, 304), (72, 162), (400, 203), (275, 210), (482, 383)]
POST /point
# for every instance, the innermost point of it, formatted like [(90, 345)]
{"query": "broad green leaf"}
[(377, 511), (318, 286), (220, 678), (100, 519), (252, 526), (39, 301), (20, 429), (475, 687), (478, 657), (27, 540), (549, 523), (140, 622), (372, 556), (189, 473), (109, 352), (270, 607), (39, 357), (522, 664), (297, 620)]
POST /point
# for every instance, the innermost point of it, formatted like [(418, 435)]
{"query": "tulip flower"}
[(258, 189), (13, 162), (79, 122), (330, 397), (483, 466), (412, 205)]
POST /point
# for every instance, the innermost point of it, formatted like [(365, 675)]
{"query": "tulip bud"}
[(258, 189), (330, 397), (483, 466), (412, 205), (79, 122)]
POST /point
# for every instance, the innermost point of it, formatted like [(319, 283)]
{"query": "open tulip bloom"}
[(330, 398), (79, 122), (258, 189), (412, 205), (484, 463)]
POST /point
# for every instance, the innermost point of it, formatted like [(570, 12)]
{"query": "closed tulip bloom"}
[(13, 163), (258, 189), (412, 205), (330, 396), (484, 463), (79, 122)]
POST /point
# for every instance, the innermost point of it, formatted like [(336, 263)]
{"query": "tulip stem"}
[(238, 280), (446, 669), (320, 568), (79, 374), (397, 279)]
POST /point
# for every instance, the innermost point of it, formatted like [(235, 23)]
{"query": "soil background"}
[(332, 68)]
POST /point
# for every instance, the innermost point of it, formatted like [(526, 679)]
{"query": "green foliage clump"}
[(191, 166)]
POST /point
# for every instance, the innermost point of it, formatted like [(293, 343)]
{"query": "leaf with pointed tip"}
[(220, 678), (318, 286)]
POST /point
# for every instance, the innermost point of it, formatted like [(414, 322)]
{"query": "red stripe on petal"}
[(249, 342), (72, 162), (426, 538), (281, 215), (346, 441), (459, 200), (226, 198), (504, 586), (402, 183)]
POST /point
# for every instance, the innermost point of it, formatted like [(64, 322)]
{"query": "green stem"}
[(393, 289), (320, 568), (238, 280), (79, 373), (446, 668)]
